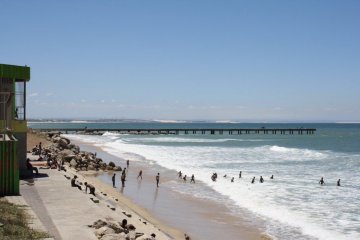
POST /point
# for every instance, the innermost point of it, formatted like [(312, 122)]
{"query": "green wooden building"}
[(13, 127)]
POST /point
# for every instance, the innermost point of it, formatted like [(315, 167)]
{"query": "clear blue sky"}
[(214, 60)]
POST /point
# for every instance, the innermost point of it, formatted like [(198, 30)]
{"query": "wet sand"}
[(200, 218)]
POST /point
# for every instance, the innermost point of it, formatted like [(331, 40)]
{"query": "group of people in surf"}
[(261, 180), (184, 178), (214, 177), (322, 182)]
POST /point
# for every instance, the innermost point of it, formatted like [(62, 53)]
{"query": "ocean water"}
[(293, 205)]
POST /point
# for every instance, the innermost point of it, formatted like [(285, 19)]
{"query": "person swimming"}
[(213, 177), (261, 179), (253, 180)]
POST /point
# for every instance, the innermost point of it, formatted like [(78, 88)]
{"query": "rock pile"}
[(63, 151), (112, 230)]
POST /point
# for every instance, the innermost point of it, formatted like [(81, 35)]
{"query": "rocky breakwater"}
[(65, 152)]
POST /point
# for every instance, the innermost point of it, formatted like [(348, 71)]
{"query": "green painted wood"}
[(9, 168), (15, 72)]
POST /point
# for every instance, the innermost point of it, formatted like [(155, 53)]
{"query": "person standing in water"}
[(338, 182), (157, 179), (184, 178), (123, 179), (321, 182), (113, 179), (261, 179), (253, 180), (127, 164), (192, 180), (240, 174), (232, 179), (140, 175), (180, 174), (272, 177)]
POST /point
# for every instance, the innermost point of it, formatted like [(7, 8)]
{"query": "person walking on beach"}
[(157, 179), (40, 148), (113, 180), (123, 179), (140, 175), (261, 179), (321, 182), (192, 180), (253, 180), (240, 174), (338, 183)]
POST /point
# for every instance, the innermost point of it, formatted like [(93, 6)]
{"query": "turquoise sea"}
[(293, 205)]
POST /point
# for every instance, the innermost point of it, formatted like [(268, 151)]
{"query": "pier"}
[(193, 131)]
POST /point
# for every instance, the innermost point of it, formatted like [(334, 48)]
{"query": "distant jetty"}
[(177, 131)]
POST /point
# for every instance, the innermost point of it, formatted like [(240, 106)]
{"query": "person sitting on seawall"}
[(74, 184), (29, 166), (91, 188)]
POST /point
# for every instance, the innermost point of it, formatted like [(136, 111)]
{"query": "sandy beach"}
[(109, 199), (200, 218)]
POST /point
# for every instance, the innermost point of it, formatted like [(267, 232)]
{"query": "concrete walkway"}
[(63, 210)]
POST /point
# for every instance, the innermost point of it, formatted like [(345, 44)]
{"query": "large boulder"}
[(103, 231), (78, 158), (117, 168), (112, 236), (68, 158), (112, 164), (63, 142), (76, 149), (98, 224), (91, 167), (115, 226), (70, 146), (56, 138), (73, 163)]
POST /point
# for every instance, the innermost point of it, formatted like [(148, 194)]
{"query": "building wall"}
[(21, 155)]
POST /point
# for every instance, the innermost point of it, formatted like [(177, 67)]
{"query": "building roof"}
[(13, 71)]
